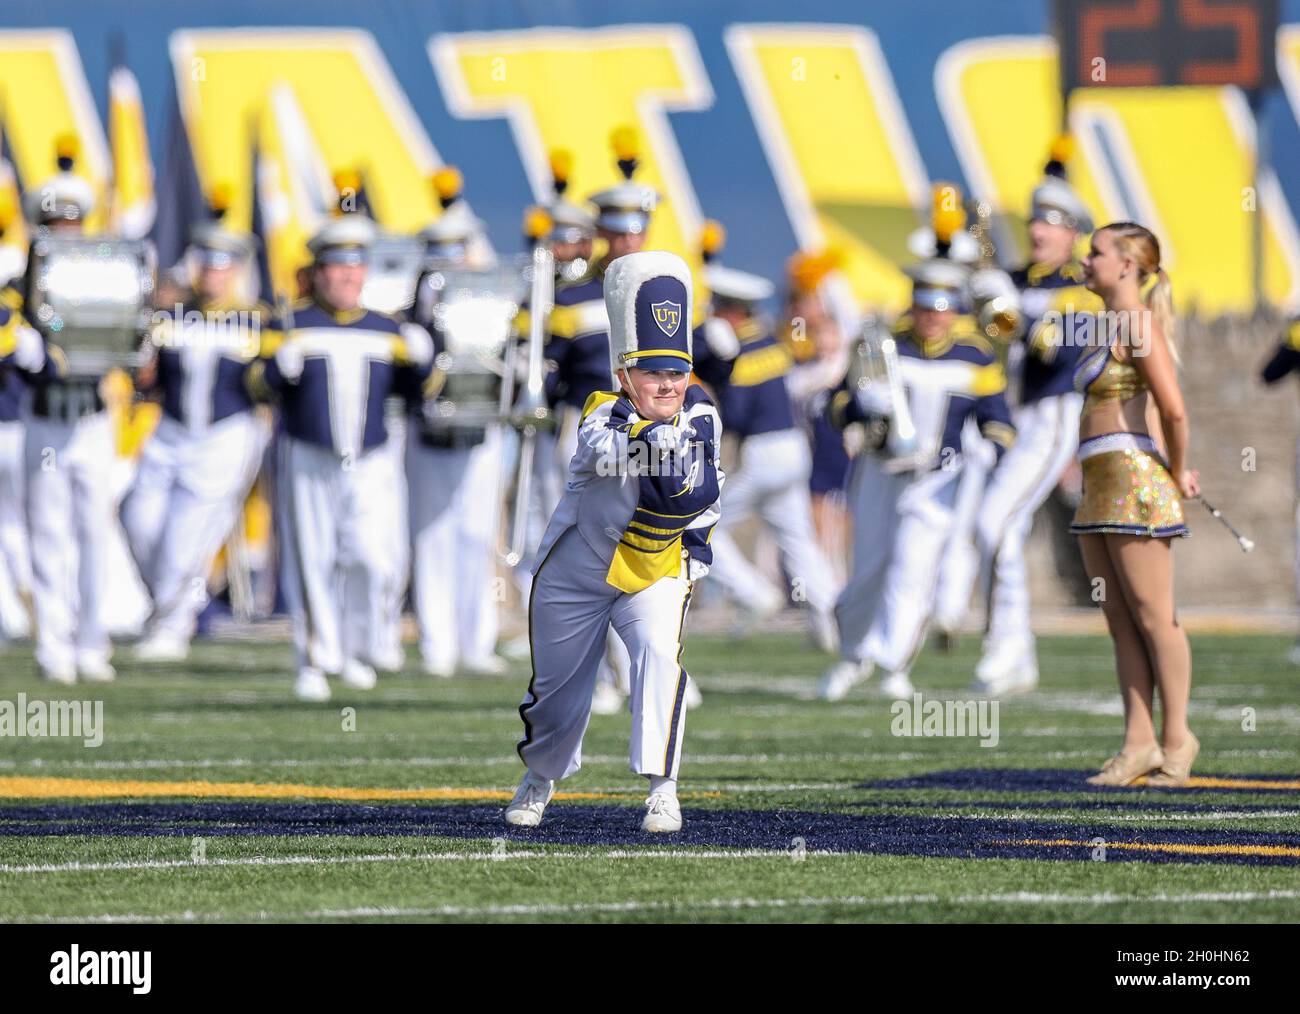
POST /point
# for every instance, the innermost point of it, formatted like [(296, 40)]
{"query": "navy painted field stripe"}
[(887, 834)]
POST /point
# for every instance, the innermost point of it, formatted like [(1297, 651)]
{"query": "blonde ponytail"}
[(1160, 301)]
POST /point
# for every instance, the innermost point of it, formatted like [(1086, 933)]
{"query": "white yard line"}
[(1019, 898)]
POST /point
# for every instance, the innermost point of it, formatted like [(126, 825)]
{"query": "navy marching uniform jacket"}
[(947, 381), (1048, 364), (578, 341), (352, 361), (753, 397)]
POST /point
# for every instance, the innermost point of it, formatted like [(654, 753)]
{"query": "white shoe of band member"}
[(1008, 666), (1294, 654), (64, 677), (825, 632), (842, 677), (662, 814), (693, 698), (606, 700), (526, 809), (311, 685), (517, 648), (359, 676), (489, 665), (96, 671), (896, 685), (440, 672), (162, 648)]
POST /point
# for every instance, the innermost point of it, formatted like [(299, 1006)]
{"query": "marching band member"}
[(69, 455), (1132, 507), (453, 474), (578, 346), (627, 543), (774, 461), (989, 286), (15, 559), (903, 500), (1284, 361), (200, 463), (817, 341), (1047, 427), (330, 364)]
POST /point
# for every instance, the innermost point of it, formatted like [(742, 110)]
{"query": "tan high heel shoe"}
[(1124, 768), (1177, 767)]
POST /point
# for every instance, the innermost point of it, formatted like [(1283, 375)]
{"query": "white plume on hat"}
[(623, 280)]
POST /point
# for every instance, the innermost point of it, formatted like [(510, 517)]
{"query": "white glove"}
[(992, 283), (670, 439), (721, 338), (29, 349), (419, 345), (289, 358), (696, 569), (875, 399)]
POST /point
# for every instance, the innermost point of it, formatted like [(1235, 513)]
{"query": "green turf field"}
[(784, 817)]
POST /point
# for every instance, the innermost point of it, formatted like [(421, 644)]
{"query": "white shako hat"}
[(650, 303)]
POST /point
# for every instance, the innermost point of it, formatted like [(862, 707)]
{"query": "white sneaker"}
[(606, 700), (63, 676), (526, 809), (825, 631), (517, 648), (840, 678), (96, 670), (311, 685), (1003, 657), (162, 648), (693, 698), (897, 686), (359, 676), (1007, 667), (442, 672), (662, 814), (489, 665)]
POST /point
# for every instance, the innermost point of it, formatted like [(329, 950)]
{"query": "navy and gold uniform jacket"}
[(203, 359), (56, 392), (947, 381), (1049, 298), (578, 341), (352, 361), (753, 397), (643, 524)]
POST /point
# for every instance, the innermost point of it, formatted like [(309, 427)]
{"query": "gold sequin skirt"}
[(1127, 489)]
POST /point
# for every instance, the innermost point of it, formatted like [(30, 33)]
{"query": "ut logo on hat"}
[(668, 315)]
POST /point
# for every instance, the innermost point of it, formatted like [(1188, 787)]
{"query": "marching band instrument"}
[(92, 298), (874, 360)]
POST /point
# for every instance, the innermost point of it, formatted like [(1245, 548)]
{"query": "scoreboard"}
[(1150, 43)]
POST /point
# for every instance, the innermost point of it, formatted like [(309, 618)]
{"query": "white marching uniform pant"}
[(185, 500), (1047, 438), (14, 555), (960, 565), (544, 496), (389, 653), (455, 496), (772, 480), (69, 511), (337, 552), (570, 612), (901, 525)]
